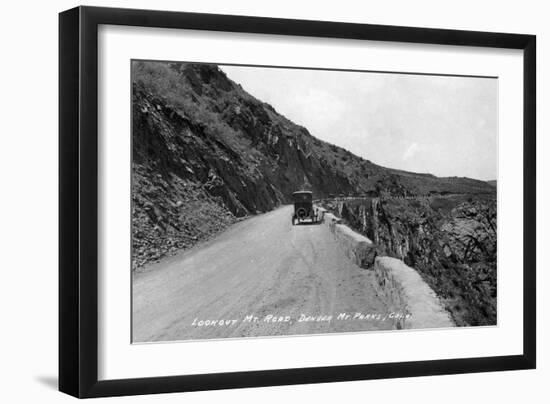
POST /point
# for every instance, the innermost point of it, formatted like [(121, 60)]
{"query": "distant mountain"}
[(206, 152), (492, 182)]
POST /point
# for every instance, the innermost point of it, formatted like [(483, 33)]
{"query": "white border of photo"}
[(119, 359)]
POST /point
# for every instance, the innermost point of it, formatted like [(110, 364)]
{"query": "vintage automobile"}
[(304, 211)]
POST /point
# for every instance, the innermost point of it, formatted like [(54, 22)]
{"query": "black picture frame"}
[(78, 201)]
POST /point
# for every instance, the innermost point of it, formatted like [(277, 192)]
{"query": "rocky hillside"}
[(450, 240), (205, 153)]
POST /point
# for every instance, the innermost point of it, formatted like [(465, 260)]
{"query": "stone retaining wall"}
[(406, 292), (413, 303)]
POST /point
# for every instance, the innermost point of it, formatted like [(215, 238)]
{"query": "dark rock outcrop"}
[(449, 240)]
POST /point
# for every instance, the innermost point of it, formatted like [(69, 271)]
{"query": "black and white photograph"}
[(276, 201)]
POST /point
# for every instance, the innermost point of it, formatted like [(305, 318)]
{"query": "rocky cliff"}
[(450, 240), (206, 153)]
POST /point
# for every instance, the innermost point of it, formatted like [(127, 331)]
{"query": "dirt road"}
[(261, 277)]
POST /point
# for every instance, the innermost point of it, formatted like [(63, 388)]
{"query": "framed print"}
[(251, 201)]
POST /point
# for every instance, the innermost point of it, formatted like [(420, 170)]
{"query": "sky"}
[(445, 126)]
